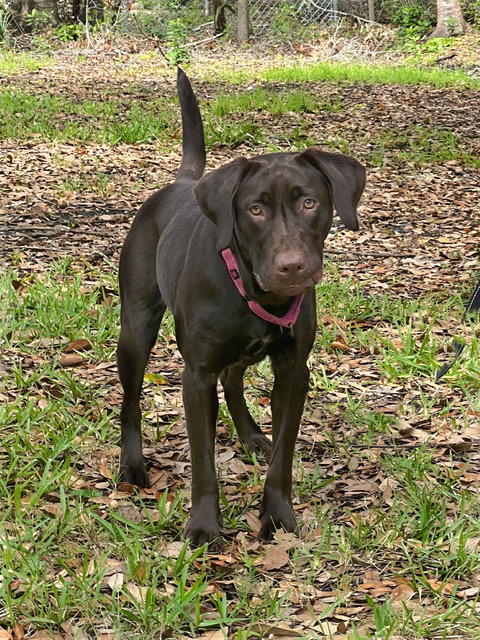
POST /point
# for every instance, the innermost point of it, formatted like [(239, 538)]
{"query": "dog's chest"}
[(256, 350)]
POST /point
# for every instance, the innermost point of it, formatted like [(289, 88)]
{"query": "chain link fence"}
[(271, 16), (173, 19), (265, 14)]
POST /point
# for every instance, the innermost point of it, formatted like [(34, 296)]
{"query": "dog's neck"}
[(287, 320), (275, 302)]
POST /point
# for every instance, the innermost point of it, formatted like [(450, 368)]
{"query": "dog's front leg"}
[(288, 398), (201, 408)]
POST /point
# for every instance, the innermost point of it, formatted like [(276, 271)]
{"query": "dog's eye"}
[(256, 210), (309, 204)]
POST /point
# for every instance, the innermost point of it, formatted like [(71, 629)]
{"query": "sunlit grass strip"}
[(13, 62), (327, 71)]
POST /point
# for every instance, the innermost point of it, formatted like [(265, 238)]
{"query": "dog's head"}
[(279, 209)]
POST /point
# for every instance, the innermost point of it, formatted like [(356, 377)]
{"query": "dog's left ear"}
[(215, 194), (345, 177)]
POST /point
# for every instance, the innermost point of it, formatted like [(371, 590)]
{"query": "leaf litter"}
[(419, 234)]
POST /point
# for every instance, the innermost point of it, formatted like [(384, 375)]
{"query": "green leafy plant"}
[(413, 20), (38, 21), (5, 20), (69, 32), (171, 22), (471, 11), (177, 34)]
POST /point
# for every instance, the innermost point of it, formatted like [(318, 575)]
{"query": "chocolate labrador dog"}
[(235, 256)]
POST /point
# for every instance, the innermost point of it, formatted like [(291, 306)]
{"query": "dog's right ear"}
[(215, 193)]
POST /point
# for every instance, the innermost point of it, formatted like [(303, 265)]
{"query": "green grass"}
[(74, 550), (272, 101), (348, 73), (53, 310), (419, 145), (358, 73), (77, 556), (13, 62), (59, 119), (241, 116), (401, 330)]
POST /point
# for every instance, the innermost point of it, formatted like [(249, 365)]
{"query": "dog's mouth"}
[(292, 288)]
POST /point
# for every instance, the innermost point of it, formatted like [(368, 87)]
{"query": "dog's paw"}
[(258, 443), (269, 525), (276, 513), (203, 525), (137, 477), (198, 536), (134, 472)]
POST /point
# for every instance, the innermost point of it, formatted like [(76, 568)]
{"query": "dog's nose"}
[(290, 263)]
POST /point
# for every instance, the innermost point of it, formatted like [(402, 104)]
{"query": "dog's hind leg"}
[(141, 314), (248, 430)]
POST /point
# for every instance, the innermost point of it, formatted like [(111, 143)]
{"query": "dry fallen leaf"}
[(212, 635), (401, 593), (275, 557), (78, 345), (70, 360), (73, 631), (137, 592), (274, 631), (18, 631), (339, 343)]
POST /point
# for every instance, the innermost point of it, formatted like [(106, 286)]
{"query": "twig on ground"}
[(199, 42), (155, 40), (373, 254)]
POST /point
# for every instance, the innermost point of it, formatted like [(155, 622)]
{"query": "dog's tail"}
[(193, 140)]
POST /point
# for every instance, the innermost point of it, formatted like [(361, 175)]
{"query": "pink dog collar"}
[(288, 319)]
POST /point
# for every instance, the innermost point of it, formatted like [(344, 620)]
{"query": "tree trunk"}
[(24, 9), (450, 20), (88, 10), (242, 21), (48, 8)]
